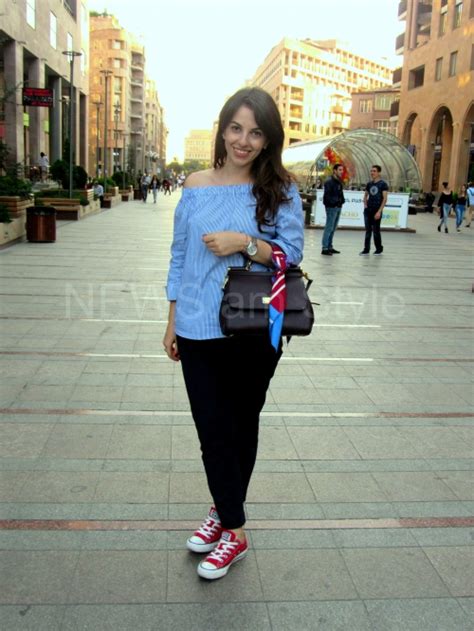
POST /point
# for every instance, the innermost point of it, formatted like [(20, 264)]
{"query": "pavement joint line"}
[(110, 412), (251, 524)]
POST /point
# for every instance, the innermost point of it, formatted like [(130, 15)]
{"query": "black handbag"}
[(244, 306)]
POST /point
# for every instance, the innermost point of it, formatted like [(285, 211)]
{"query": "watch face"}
[(252, 248)]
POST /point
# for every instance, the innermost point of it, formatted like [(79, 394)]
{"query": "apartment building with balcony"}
[(375, 109), (198, 145), (312, 81), (33, 36), (117, 89), (436, 113)]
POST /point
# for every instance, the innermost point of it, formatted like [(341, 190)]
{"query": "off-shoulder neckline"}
[(218, 186)]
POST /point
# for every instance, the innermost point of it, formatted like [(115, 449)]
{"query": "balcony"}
[(402, 10), (400, 44), (397, 78), (394, 108)]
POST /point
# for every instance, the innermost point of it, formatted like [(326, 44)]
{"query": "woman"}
[(445, 202), (461, 201), (237, 209), (155, 187)]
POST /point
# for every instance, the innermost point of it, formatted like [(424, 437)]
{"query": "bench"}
[(65, 208)]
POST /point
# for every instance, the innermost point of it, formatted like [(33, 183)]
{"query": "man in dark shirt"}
[(333, 200), (375, 198)]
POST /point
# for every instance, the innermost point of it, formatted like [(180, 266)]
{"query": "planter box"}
[(125, 195), (12, 232), (16, 205)]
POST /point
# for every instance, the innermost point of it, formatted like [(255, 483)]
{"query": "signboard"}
[(38, 97), (395, 213)]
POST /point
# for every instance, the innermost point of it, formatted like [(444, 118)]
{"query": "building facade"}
[(198, 145), (436, 117), (312, 81), (33, 37), (155, 131), (374, 110)]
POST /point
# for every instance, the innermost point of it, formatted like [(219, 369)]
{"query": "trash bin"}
[(41, 224)]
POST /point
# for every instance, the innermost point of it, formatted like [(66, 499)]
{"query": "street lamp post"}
[(116, 116), (123, 162), (71, 54), (106, 74), (97, 152)]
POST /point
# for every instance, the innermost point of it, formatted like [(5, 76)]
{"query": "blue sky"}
[(201, 51)]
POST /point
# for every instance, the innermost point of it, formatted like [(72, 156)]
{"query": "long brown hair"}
[(271, 179)]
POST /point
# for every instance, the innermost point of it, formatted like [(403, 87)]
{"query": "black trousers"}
[(372, 225), (227, 380)]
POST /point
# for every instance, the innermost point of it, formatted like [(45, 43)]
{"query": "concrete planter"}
[(12, 232), (16, 205)]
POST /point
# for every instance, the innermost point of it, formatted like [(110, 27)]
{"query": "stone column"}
[(55, 131), (13, 60), (37, 114), (456, 172)]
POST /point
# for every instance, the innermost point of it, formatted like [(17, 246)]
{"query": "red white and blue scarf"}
[(276, 310)]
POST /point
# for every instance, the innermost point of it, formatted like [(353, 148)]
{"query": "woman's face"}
[(243, 139)]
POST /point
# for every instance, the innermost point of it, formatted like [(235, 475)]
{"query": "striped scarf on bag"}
[(276, 310)]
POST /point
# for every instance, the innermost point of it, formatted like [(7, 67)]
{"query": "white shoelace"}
[(223, 550), (209, 527)]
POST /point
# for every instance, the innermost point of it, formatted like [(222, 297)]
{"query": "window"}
[(69, 42), (453, 60), (31, 12), (53, 29), (472, 58), (117, 44), (365, 106), (438, 69), (457, 14), (416, 78), (383, 102), (117, 63), (383, 125), (117, 85), (443, 18)]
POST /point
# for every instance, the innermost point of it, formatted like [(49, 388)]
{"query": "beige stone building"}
[(436, 119), (33, 36), (375, 110), (312, 81), (198, 145), (155, 130)]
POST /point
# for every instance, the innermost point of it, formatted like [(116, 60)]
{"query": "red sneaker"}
[(207, 536), (229, 550)]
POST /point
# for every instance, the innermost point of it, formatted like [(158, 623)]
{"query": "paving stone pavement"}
[(360, 509)]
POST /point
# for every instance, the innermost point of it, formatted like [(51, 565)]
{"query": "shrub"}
[(119, 179), (10, 185), (60, 172), (4, 214), (79, 177)]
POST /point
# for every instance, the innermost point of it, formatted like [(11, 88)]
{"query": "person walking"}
[(244, 208), (470, 204), (155, 187), (333, 199), (460, 206), (99, 192), (144, 183), (44, 166), (445, 202), (375, 198)]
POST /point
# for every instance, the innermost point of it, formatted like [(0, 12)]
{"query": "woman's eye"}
[(257, 133), (234, 127)]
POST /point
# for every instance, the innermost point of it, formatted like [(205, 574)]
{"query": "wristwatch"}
[(252, 247)]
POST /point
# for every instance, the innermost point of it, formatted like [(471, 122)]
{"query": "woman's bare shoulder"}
[(199, 179)]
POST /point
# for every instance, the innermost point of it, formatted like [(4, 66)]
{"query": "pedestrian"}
[(333, 199), (470, 204), (144, 183), (244, 208), (166, 186), (460, 206), (99, 192), (375, 198), (44, 166), (155, 187), (445, 202)]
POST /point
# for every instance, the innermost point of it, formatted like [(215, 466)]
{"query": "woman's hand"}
[(169, 340), (225, 243)]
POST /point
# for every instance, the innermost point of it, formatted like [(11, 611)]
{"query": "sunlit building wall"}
[(436, 119), (375, 109), (198, 145)]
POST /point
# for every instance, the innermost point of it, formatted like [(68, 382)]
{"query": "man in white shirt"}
[(470, 203), (44, 165)]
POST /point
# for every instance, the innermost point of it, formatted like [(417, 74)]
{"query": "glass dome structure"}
[(311, 162)]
